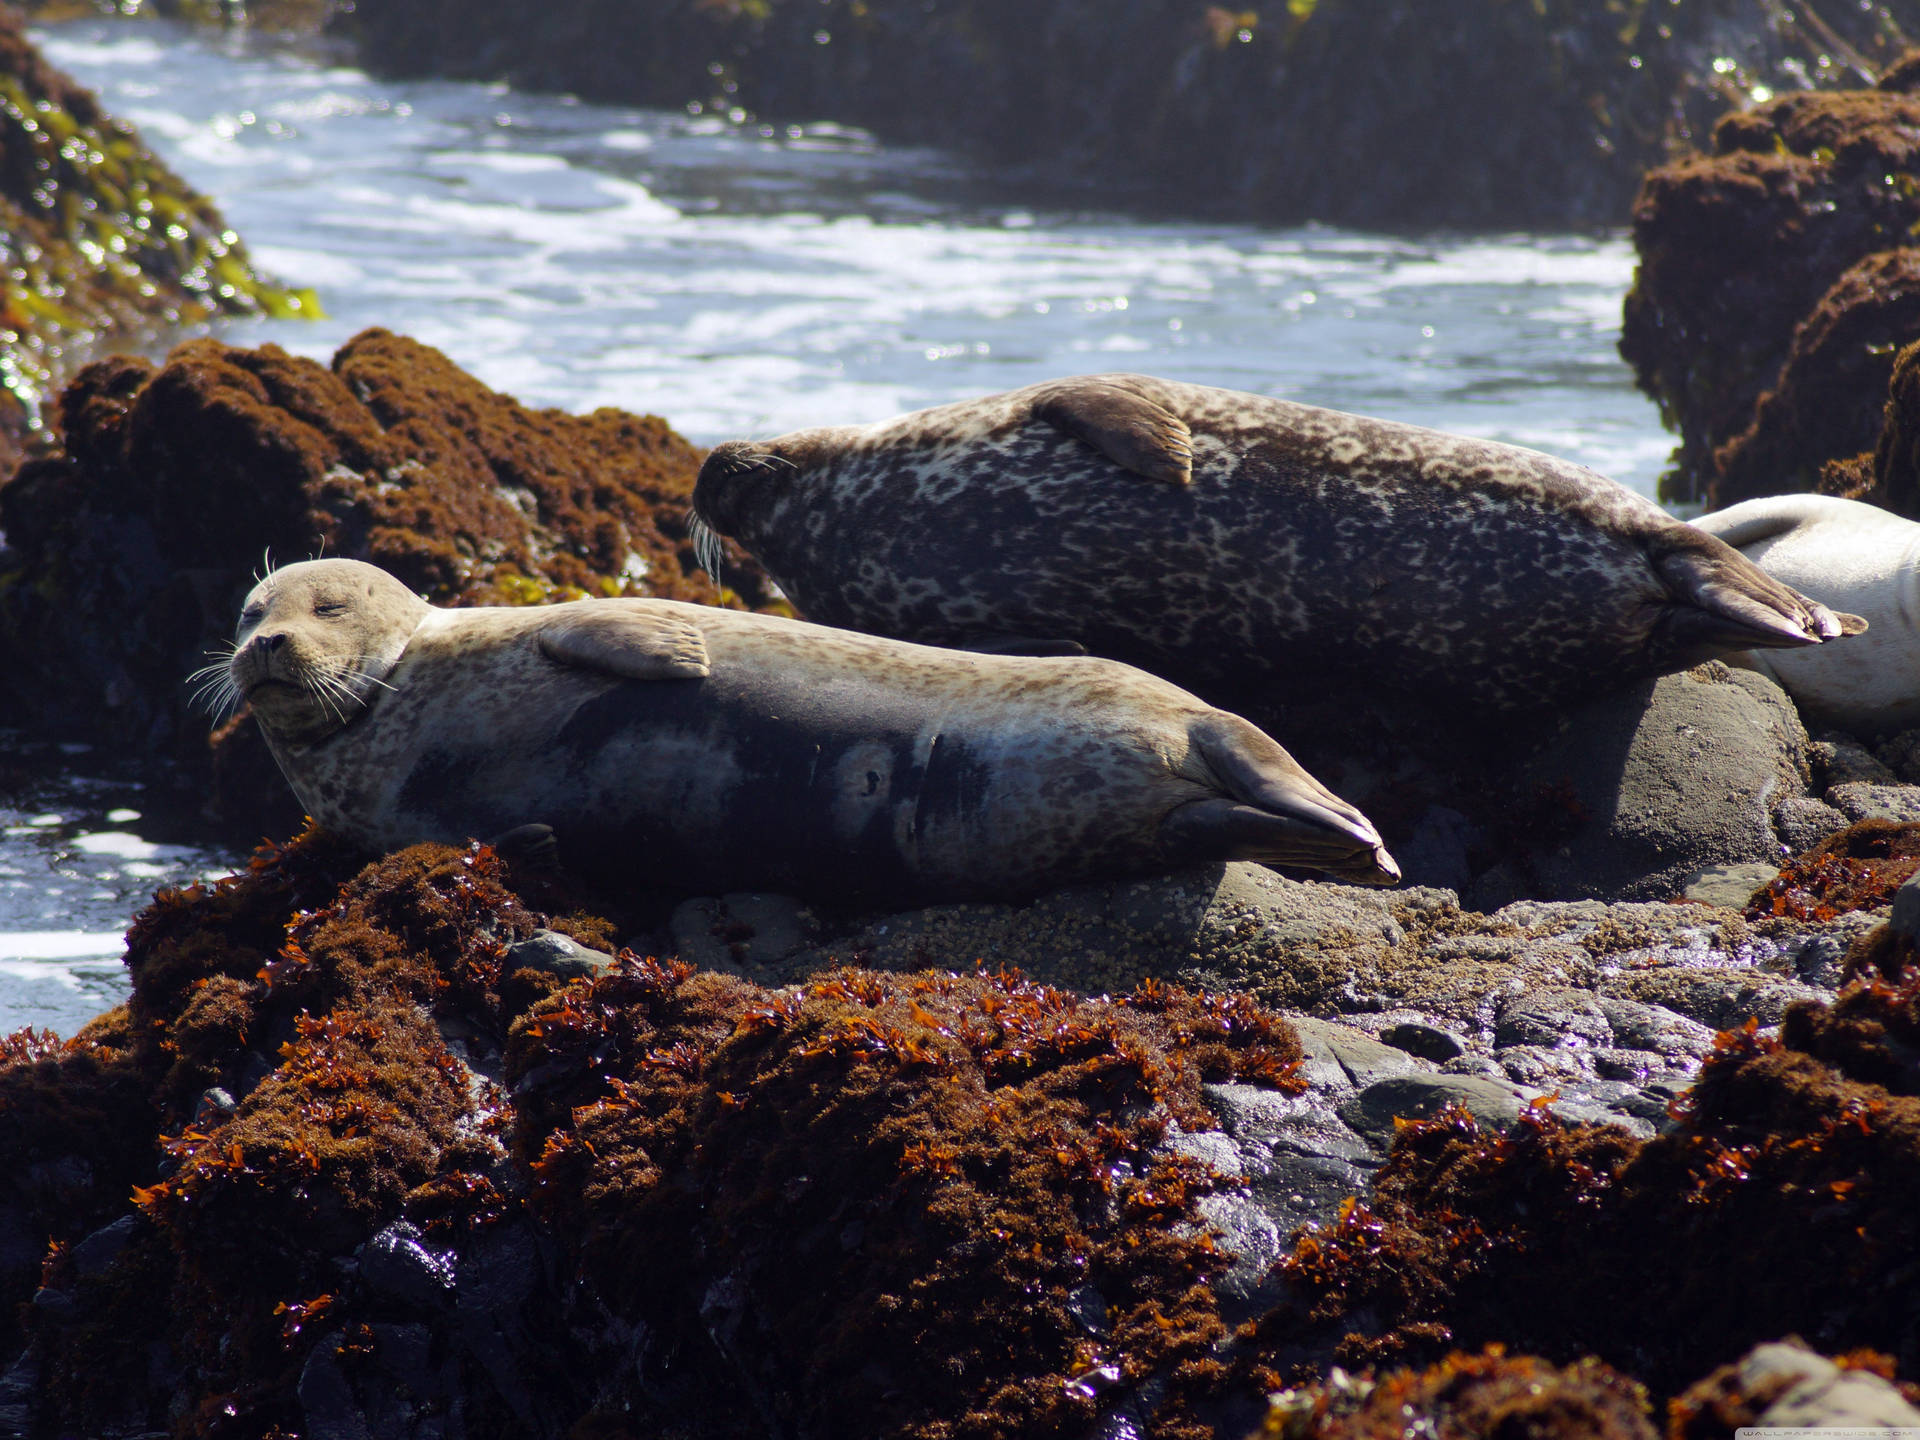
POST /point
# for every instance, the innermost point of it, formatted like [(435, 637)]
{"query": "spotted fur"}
[(704, 749), (1259, 548)]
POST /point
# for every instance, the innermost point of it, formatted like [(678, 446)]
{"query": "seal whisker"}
[(708, 548)]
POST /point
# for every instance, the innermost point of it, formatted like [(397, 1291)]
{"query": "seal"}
[(693, 748), (1847, 554), (1248, 548)]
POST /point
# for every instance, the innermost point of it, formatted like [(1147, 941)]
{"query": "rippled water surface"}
[(744, 283)]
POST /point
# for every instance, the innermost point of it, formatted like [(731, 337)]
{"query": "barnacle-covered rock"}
[(1775, 1206)]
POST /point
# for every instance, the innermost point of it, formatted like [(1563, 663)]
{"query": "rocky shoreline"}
[(1606, 1124)]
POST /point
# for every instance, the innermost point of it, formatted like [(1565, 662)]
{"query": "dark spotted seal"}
[(1244, 546), (701, 749)]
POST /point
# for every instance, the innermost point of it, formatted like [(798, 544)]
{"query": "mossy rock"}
[(97, 237)]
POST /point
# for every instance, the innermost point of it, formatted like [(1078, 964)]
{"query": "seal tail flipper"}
[(1723, 601), (1124, 417), (1272, 811)]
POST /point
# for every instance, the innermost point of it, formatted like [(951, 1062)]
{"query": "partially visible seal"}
[(1244, 546), (1846, 554), (686, 747)]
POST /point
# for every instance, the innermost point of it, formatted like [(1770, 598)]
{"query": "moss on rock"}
[(1774, 285), (97, 237)]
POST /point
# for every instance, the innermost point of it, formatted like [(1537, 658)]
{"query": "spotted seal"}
[(695, 748), (1244, 546), (1844, 553)]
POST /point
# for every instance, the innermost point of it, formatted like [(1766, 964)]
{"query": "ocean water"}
[(743, 281)]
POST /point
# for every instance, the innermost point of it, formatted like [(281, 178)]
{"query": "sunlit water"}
[(743, 284)]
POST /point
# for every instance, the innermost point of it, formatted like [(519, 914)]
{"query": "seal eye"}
[(328, 608)]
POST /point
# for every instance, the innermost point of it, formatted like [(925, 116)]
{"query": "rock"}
[(1784, 1384), (77, 197), (1728, 886), (1905, 918), (1737, 250), (1802, 823), (1340, 1057), (1842, 760), (1901, 755), (399, 1264), (1574, 103), (1672, 777), (1897, 803), (1829, 398), (131, 547), (742, 934), (559, 955), (1417, 1097), (1429, 1042)]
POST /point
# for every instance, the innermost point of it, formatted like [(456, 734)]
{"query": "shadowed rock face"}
[(1334, 111), (130, 549)]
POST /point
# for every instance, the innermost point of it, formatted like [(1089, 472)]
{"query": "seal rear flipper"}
[(1723, 601), (623, 640), (1229, 830), (1277, 813), (1126, 419)]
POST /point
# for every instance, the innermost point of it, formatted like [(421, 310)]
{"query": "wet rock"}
[(1671, 777), (559, 955), (399, 1264), (131, 548), (1569, 1233), (1729, 886), (1553, 1017)]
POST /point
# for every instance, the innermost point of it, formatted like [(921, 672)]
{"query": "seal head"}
[(316, 641)]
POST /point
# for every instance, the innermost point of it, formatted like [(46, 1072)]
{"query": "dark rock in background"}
[(130, 548), (1478, 113)]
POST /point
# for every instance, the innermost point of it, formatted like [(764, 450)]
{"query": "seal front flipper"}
[(1127, 418), (624, 639), (1272, 809)]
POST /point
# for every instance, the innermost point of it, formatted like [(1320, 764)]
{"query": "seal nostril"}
[(273, 642)]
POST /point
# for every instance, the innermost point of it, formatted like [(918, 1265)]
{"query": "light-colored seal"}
[(693, 748), (1846, 554), (1244, 546)]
